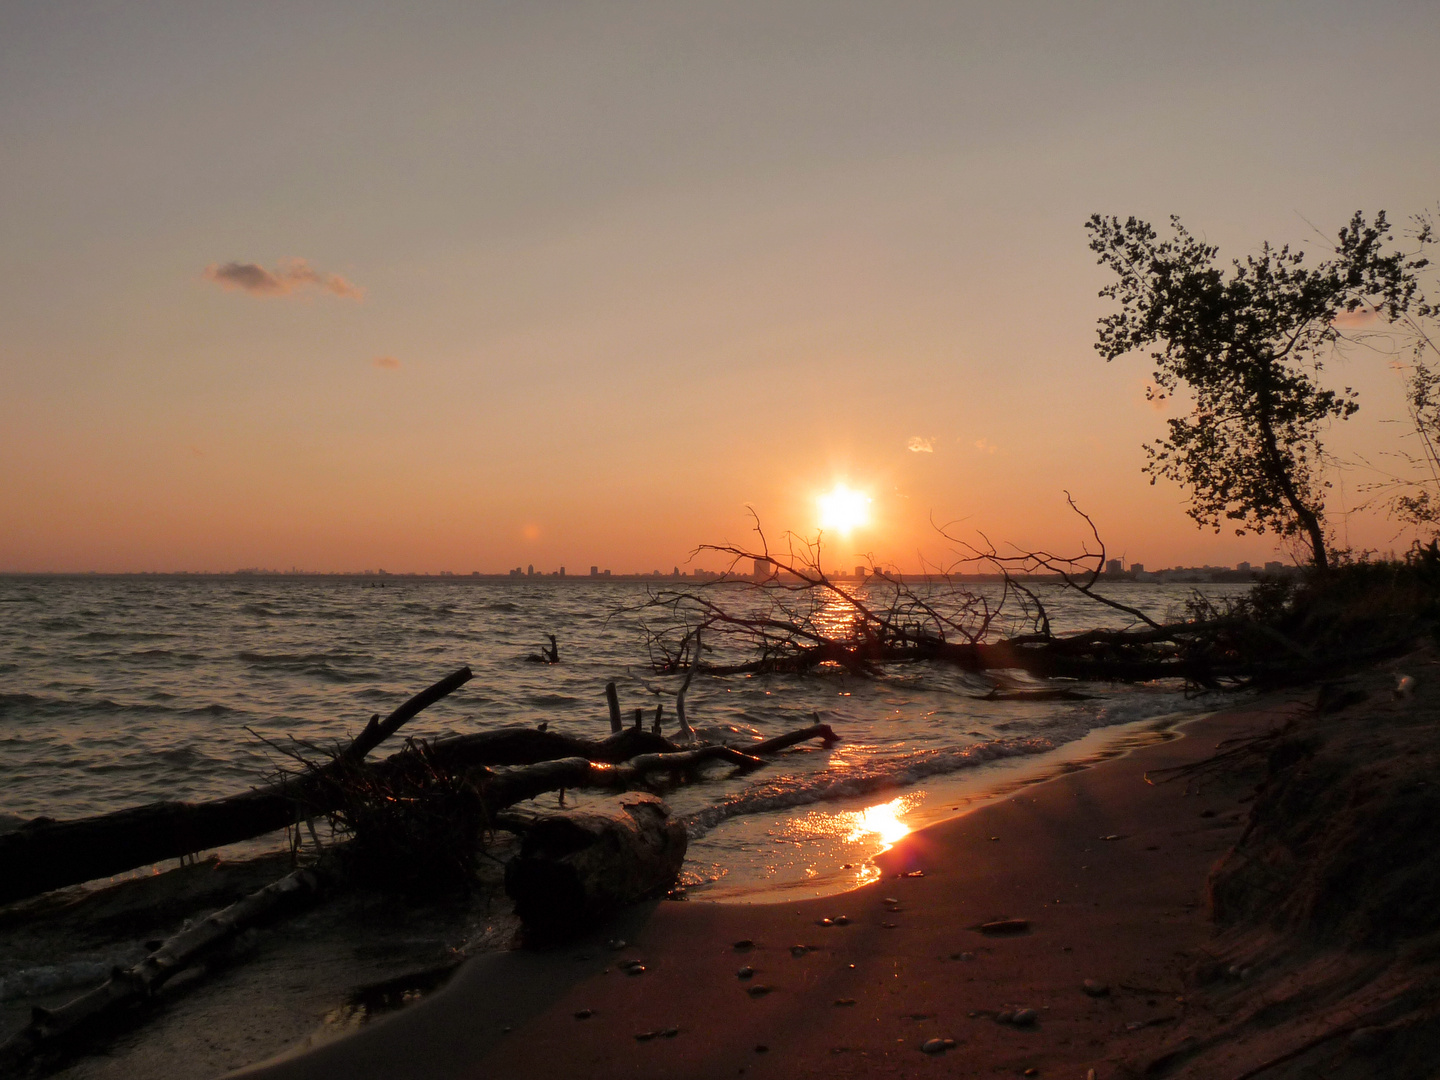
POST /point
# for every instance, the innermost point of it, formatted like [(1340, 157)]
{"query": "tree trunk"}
[(129, 987), (575, 867), (1309, 519), (42, 854)]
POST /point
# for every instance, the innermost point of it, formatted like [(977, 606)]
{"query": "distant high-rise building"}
[(1137, 567), (1114, 566), (594, 571), (562, 571), (763, 568), (859, 571), (1243, 567), (530, 570)]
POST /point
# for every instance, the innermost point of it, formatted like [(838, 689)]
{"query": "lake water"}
[(118, 691)]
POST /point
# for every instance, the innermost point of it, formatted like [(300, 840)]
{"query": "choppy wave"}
[(35, 704), (124, 635)]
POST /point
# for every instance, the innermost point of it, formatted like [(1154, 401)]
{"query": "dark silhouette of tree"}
[(1246, 341)]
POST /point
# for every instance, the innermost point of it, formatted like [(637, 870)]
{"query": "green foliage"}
[(1246, 342), (1418, 501), (1368, 605)]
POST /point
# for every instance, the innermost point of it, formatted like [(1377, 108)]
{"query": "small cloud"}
[(387, 362), (289, 276), (919, 444), (1354, 320), (985, 446)]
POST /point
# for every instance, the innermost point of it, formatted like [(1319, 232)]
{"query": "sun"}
[(843, 509)]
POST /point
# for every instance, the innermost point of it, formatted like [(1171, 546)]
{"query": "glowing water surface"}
[(119, 691)]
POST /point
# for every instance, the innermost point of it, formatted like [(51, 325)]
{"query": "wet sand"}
[(1108, 871)]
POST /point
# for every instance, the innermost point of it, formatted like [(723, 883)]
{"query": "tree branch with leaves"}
[(1248, 343)]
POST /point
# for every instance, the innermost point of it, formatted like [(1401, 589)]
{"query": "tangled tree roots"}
[(418, 827)]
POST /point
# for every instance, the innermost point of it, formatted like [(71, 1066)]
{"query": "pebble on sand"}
[(799, 950), (584, 1014), (744, 945), (747, 972), (758, 990), (842, 920), (1095, 988), (937, 1046), (1005, 926), (844, 1001)]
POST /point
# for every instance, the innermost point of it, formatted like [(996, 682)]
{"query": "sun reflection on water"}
[(883, 821)]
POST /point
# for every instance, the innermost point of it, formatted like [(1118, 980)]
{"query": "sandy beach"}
[(1106, 870)]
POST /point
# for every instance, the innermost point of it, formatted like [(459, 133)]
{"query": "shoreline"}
[(1125, 912), (938, 799)]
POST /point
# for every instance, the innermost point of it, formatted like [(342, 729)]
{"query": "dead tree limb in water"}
[(502, 786), (43, 855), (799, 619), (52, 1029), (50, 855), (612, 699)]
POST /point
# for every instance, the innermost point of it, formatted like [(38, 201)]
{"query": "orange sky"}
[(478, 286)]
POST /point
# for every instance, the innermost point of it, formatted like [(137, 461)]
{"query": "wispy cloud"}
[(919, 444), (985, 446), (290, 276), (387, 362), (1357, 319)]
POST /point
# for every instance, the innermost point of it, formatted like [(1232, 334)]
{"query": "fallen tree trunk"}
[(42, 854), (817, 730), (577, 866), (129, 987), (528, 745), (503, 787)]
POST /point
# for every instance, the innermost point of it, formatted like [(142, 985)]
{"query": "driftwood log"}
[(503, 787), (577, 866), (129, 987), (43, 854)]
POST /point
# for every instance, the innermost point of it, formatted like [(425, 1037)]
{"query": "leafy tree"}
[(1246, 340), (1417, 501)]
